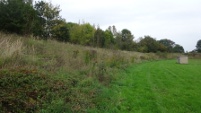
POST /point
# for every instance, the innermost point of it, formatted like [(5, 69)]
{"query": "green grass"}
[(160, 87)]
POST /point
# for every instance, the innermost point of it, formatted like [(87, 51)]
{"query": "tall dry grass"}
[(10, 48), (52, 56)]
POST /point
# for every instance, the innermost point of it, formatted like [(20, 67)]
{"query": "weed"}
[(101, 72), (75, 54), (90, 55), (132, 59)]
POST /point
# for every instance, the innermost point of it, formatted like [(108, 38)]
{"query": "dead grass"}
[(10, 48), (51, 55)]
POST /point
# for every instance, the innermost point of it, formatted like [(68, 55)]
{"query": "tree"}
[(82, 34), (124, 40), (148, 44), (99, 38), (48, 16), (178, 49), (71, 25), (169, 44), (28, 1), (87, 34), (198, 46), (61, 31), (75, 34), (109, 40), (161, 47), (17, 16)]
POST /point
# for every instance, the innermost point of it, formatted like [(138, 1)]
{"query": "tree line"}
[(43, 20)]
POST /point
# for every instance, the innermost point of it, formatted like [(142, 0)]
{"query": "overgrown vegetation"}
[(50, 76)]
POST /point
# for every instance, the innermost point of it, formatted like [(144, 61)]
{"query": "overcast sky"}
[(178, 20)]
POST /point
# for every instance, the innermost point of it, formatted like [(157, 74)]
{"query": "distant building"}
[(182, 59)]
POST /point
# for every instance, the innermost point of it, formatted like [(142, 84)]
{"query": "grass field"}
[(159, 87)]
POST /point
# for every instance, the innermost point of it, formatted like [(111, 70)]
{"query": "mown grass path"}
[(160, 87)]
